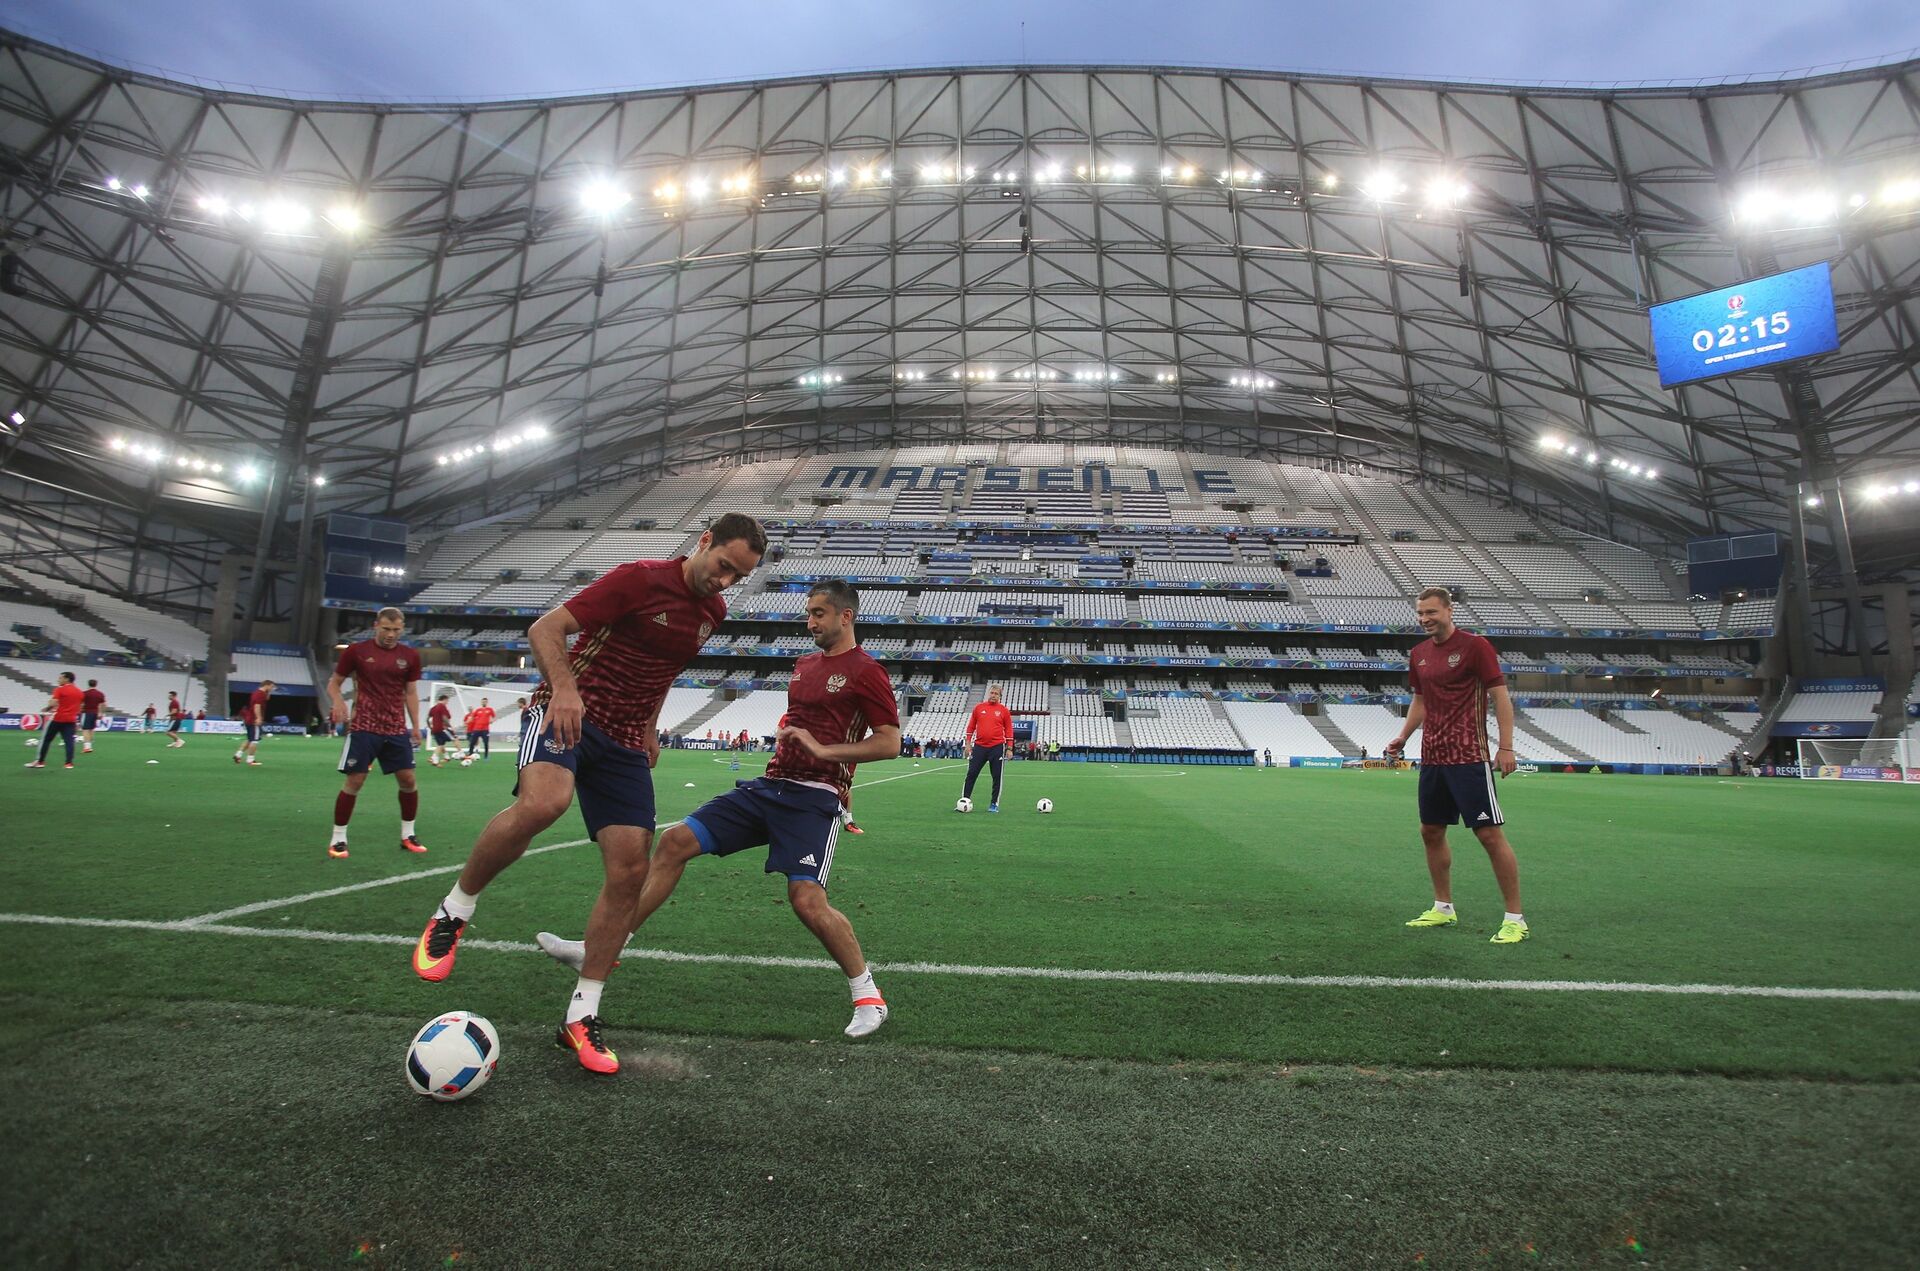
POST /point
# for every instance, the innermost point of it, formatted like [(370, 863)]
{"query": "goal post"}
[(1858, 759), (508, 701)]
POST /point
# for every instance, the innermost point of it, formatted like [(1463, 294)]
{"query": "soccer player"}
[(989, 729), (65, 708), (386, 676), (440, 726), (1453, 676), (795, 810), (93, 703), (593, 730), (176, 721), (255, 718), (148, 715), (480, 730)]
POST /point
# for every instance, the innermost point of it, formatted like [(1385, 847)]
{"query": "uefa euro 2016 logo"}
[(554, 747), (1736, 303)]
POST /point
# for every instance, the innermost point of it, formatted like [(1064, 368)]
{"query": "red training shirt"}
[(838, 699), (175, 710), (639, 627), (257, 706), (991, 723), (482, 719), (92, 700), (439, 718), (1452, 679), (380, 678), (66, 703)]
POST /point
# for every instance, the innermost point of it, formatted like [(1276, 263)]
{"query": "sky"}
[(489, 49)]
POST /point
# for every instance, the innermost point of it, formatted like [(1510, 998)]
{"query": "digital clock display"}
[(1746, 326)]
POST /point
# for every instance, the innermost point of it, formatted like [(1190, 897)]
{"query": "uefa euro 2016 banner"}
[(1858, 684)]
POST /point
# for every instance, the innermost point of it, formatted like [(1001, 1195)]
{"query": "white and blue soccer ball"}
[(466, 761), (1045, 805), (963, 804), (453, 1056)]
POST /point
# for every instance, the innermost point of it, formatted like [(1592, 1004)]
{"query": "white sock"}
[(1514, 917), (586, 999), (406, 829), (862, 985), (339, 834), (1444, 906), (458, 904)]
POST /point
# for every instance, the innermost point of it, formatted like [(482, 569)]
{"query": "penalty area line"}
[(1023, 972)]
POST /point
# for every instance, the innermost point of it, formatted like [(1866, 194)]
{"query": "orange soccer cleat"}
[(582, 1037)]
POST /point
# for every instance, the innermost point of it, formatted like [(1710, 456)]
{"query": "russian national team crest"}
[(400, 664), (835, 683), (1453, 659), (706, 629)]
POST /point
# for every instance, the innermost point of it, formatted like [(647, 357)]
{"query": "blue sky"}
[(488, 48)]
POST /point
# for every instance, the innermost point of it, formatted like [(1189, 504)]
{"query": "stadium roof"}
[(1415, 276)]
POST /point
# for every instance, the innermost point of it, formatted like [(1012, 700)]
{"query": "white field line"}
[(201, 920), (1026, 972), (259, 906)]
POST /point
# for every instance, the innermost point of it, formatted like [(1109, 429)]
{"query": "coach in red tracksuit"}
[(989, 730)]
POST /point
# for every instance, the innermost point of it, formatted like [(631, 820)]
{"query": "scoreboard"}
[(1759, 323)]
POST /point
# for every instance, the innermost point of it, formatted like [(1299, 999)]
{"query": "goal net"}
[(1858, 759), (508, 701)]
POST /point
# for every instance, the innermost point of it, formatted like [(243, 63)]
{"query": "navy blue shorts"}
[(89, 721), (393, 750), (441, 737), (613, 783), (254, 731), (799, 825), (1459, 793), (173, 725)]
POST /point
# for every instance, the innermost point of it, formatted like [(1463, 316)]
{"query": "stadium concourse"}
[(1155, 397)]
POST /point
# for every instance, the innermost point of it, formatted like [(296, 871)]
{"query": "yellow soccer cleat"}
[(1434, 918), (1510, 933)]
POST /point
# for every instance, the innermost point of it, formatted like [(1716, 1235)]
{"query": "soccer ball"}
[(1045, 805), (453, 1056), (466, 761), (963, 805)]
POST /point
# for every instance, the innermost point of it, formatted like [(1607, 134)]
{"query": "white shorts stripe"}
[(826, 857), (1493, 799), (531, 725), (345, 746)]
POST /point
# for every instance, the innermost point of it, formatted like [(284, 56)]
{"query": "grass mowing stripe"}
[(1038, 973)]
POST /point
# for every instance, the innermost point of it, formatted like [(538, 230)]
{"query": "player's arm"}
[(882, 743), (413, 709), (334, 685), (548, 639), (1504, 759), (1417, 715)]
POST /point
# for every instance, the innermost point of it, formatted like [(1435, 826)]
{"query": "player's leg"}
[(66, 737), (355, 770), (409, 809), (1437, 812), (1480, 807), (976, 760), (803, 828), (999, 764)]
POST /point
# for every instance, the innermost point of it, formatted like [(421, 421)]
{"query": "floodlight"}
[(282, 216), (113, 183), (344, 217), (603, 197)]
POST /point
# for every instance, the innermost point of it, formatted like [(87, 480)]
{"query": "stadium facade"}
[(226, 315)]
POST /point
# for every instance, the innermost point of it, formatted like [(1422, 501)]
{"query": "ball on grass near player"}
[(466, 761), (453, 1056), (963, 804), (1045, 805)]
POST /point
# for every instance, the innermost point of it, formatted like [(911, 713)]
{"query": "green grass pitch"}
[(1288, 1077)]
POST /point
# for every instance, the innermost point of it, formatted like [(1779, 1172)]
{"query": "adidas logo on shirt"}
[(662, 619), (808, 860)]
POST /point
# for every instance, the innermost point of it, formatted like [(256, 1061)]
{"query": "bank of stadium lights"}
[(394, 572), (820, 379), (1383, 187), (503, 444), (1251, 382), (1580, 453), (1886, 490), (908, 376), (1097, 375), (1166, 377), (604, 198), (136, 190), (1033, 374), (181, 461), (1818, 205)]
